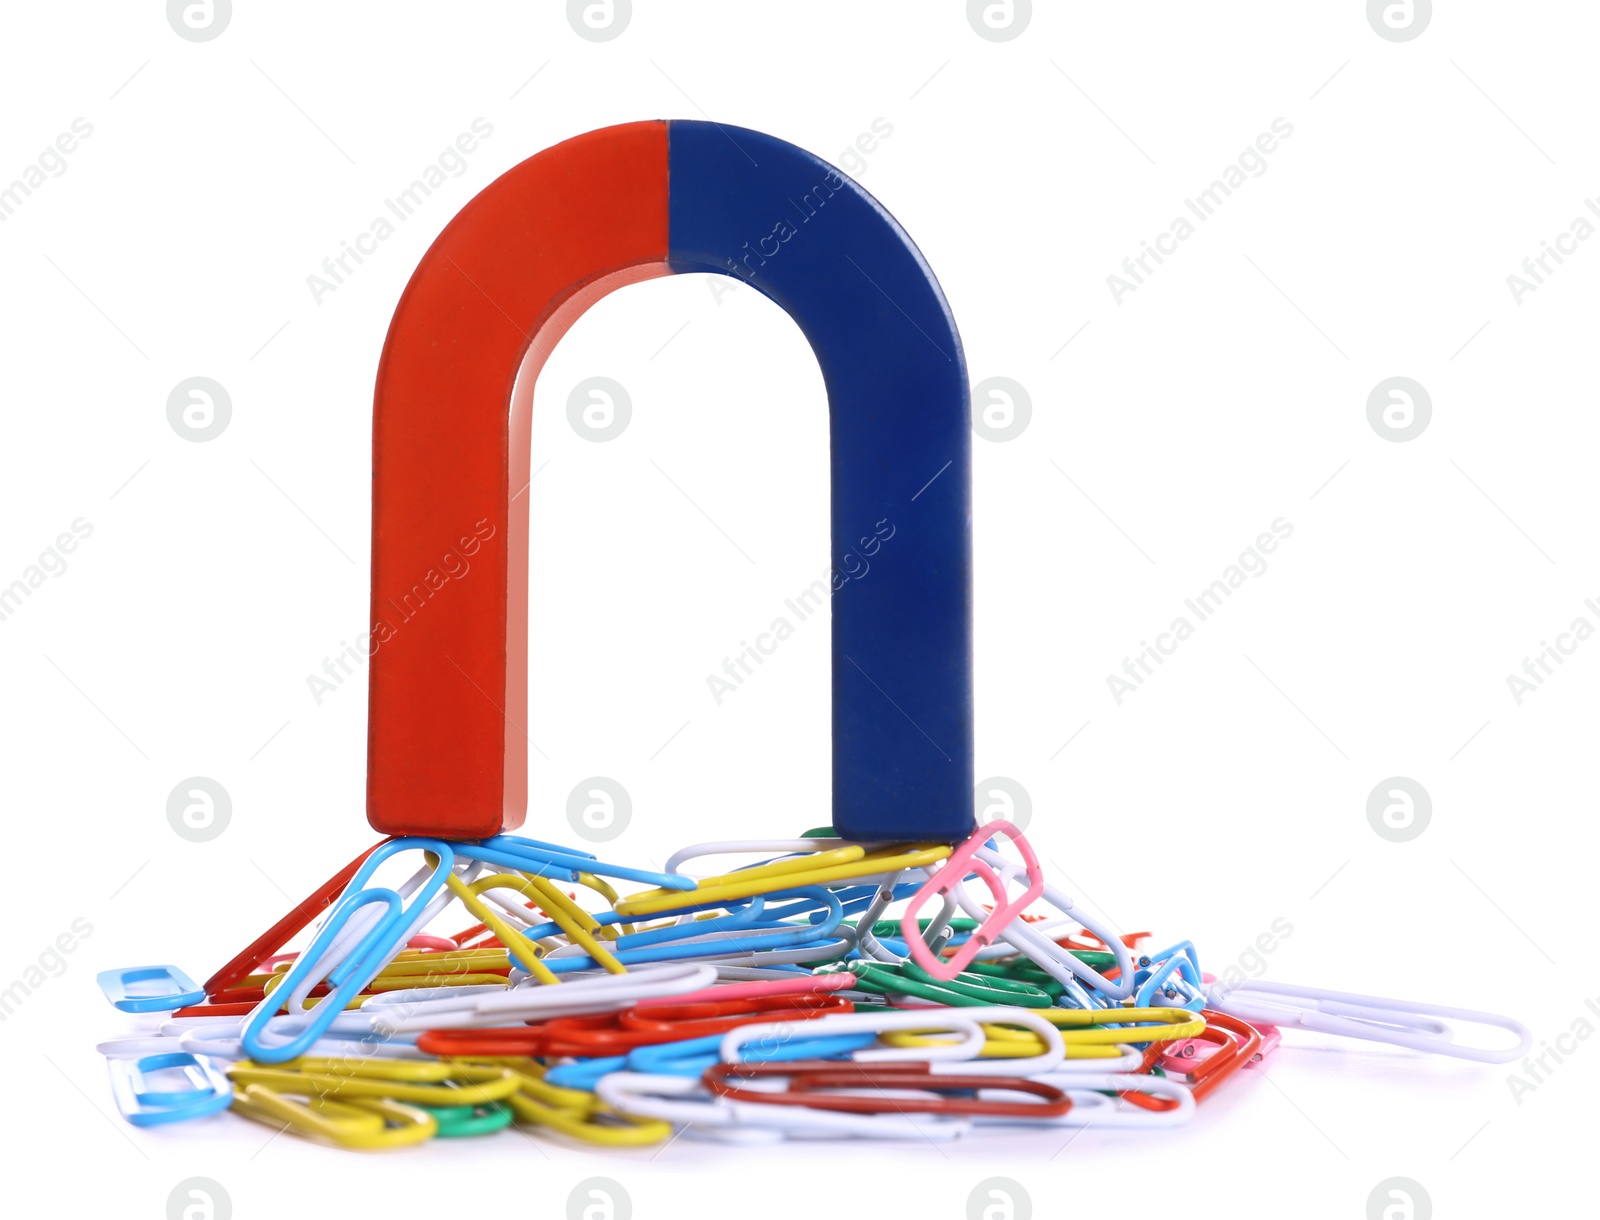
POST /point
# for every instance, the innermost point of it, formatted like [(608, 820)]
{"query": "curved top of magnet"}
[(447, 749)]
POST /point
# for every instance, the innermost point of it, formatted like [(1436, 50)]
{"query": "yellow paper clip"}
[(577, 923), (406, 1071), (461, 968), (382, 1080), (607, 891), (583, 1116), (461, 961), (1089, 1026), (519, 945), (576, 1113), (364, 1123), (1082, 1030), (819, 868)]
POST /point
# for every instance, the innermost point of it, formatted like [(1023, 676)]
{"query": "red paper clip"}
[(618, 1033), (902, 1082), (1236, 1042), (275, 937)]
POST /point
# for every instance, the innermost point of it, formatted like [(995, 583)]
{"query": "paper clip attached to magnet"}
[(348, 970), (950, 877)]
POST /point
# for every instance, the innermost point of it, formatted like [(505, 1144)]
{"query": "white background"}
[(1167, 432)]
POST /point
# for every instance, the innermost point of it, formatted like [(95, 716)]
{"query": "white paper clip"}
[(572, 998), (1408, 1023)]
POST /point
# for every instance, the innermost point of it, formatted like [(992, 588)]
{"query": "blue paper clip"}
[(532, 856), (557, 848), (585, 1073), (764, 928), (692, 1056), (540, 857), (376, 946), (1176, 967), (149, 988), (208, 1091), (522, 862)]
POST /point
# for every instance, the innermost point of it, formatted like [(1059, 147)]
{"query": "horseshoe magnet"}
[(446, 755)]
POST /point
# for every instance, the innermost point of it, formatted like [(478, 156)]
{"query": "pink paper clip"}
[(952, 874)]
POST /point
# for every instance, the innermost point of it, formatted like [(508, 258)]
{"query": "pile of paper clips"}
[(776, 1000)]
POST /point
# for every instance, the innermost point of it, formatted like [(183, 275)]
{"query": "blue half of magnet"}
[(802, 233)]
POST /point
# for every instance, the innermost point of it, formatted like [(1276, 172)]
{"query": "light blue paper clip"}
[(208, 1091), (149, 988), (532, 856), (376, 946)]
